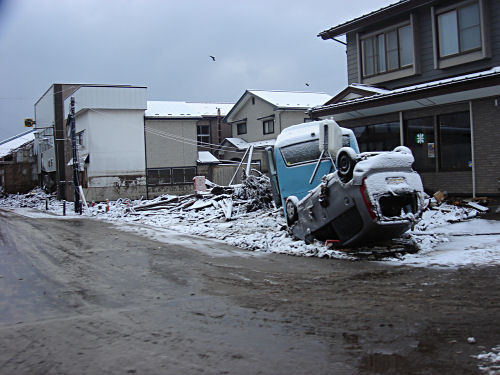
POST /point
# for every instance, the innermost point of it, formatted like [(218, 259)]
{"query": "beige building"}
[(180, 138), (259, 116)]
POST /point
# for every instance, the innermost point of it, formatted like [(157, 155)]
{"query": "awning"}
[(451, 90), (205, 157), (82, 159)]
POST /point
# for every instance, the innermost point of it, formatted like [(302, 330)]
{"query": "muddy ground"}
[(81, 297)]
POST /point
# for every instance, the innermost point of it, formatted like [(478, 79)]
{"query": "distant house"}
[(110, 137), (180, 139), (259, 116), (18, 169), (426, 74)]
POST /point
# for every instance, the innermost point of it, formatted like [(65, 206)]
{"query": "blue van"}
[(295, 158)]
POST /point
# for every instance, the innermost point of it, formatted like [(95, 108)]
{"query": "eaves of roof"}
[(382, 14), (413, 93)]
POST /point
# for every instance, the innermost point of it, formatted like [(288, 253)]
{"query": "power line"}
[(179, 138)]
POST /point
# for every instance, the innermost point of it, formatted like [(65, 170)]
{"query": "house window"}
[(241, 128), (378, 137), (387, 51), (183, 175), (454, 141), (268, 126), (419, 137), (79, 138), (459, 30), (203, 132)]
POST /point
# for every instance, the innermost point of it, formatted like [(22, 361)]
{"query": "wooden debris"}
[(254, 193), (439, 196), (478, 207)]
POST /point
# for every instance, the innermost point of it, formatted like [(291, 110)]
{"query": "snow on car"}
[(360, 198)]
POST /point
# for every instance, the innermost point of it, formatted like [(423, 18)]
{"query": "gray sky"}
[(165, 45)]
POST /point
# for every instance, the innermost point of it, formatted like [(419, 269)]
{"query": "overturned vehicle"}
[(331, 191)]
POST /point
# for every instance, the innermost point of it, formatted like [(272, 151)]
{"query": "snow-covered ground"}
[(447, 236)]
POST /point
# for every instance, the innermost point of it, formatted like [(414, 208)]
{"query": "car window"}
[(305, 152)]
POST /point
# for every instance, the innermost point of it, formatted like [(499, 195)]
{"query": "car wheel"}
[(345, 166), (291, 210)]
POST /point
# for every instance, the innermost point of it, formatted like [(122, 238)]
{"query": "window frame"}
[(203, 137), (151, 171), (389, 73), (267, 121), (461, 57), (239, 127), (288, 163)]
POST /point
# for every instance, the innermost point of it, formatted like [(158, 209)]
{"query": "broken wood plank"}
[(227, 207), (157, 203), (478, 207)]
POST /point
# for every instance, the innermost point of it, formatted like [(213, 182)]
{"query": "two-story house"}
[(426, 74), (180, 140), (259, 116), (109, 122)]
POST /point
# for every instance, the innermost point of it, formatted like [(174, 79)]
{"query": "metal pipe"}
[(473, 159)]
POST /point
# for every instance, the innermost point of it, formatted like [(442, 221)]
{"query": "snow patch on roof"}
[(369, 88), (205, 157), (420, 86), (292, 99), (11, 144), (238, 143), (241, 144), (185, 109), (265, 143)]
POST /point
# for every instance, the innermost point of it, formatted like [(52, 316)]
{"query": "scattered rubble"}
[(245, 216)]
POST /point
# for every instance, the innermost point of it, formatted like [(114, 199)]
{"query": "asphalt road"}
[(80, 296)]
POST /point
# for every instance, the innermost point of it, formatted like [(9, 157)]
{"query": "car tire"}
[(291, 210), (345, 166)]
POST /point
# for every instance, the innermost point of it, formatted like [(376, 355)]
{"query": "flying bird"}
[(307, 84), (212, 57)]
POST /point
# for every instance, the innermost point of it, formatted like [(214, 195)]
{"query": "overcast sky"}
[(165, 45)]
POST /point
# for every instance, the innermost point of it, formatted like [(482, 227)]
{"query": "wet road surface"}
[(79, 296)]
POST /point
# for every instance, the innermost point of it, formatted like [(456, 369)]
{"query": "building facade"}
[(259, 116), (178, 136), (426, 75), (18, 168), (110, 136)]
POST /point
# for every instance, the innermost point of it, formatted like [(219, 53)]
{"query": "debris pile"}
[(245, 216), (231, 201), (256, 191)]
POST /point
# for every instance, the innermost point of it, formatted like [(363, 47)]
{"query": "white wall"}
[(114, 140), (44, 109), (99, 97)]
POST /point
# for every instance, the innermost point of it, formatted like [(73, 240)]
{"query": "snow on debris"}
[(245, 216)]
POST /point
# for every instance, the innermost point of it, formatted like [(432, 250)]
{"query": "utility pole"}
[(76, 184), (219, 127)]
